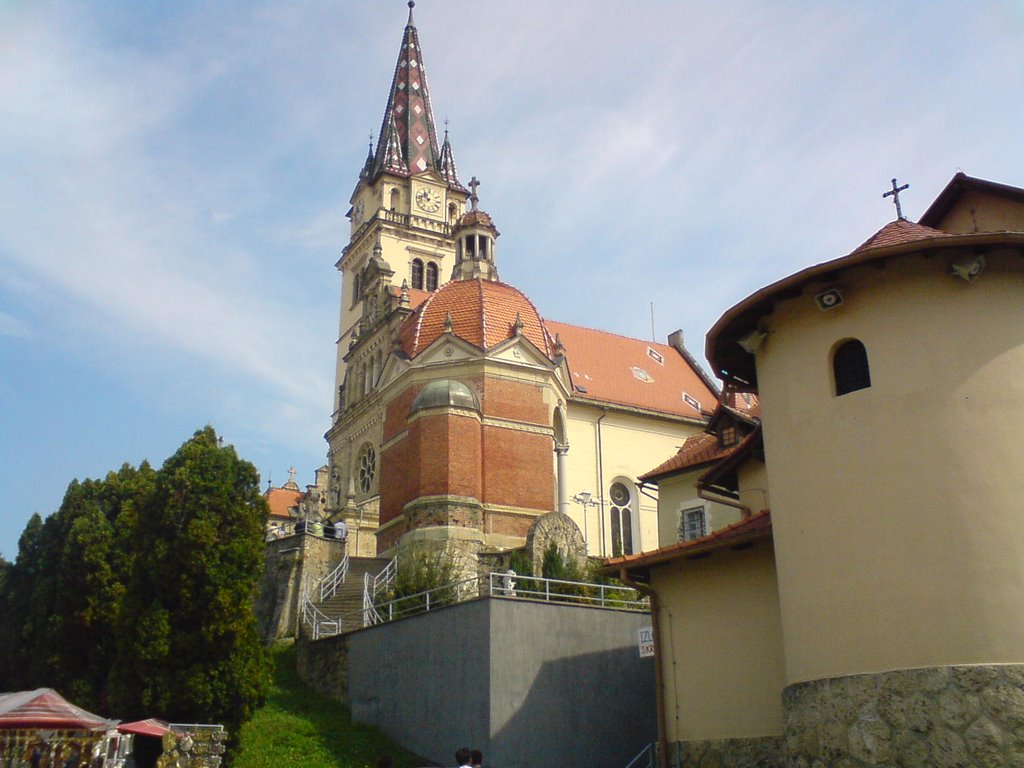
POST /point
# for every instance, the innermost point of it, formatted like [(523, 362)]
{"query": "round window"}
[(367, 468), (620, 494)]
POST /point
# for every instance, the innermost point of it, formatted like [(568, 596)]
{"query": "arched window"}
[(431, 276), (621, 518), (355, 288), (396, 196), (850, 367), (417, 274)]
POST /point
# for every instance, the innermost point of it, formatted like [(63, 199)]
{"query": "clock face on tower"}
[(428, 200)]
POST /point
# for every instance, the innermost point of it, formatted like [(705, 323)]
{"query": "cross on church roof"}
[(291, 474), (895, 195), (473, 199)]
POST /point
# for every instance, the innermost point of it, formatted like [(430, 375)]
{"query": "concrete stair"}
[(346, 604)]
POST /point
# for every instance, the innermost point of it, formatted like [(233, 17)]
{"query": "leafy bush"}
[(520, 562), (423, 569)]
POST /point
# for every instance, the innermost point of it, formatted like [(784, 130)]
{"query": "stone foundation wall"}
[(939, 717), (766, 752), (286, 562), (323, 665)]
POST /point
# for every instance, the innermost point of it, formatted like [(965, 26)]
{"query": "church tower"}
[(404, 208), (405, 203)]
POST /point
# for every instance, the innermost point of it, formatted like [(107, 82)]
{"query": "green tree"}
[(188, 647), (15, 604), (91, 576)]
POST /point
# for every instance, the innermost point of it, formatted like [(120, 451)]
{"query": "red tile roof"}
[(696, 451), (483, 312), (280, 499), (609, 368), (757, 526), (416, 297), (899, 231)]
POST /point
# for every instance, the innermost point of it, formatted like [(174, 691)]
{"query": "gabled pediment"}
[(520, 351), (969, 204), (431, 175), (395, 365), (448, 348)]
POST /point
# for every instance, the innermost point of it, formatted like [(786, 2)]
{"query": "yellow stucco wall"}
[(678, 493), (630, 446), (897, 509), (721, 642), (980, 212)]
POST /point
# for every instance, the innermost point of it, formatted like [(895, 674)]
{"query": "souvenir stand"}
[(40, 729)]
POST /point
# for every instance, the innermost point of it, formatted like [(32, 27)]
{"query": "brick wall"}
[(518, 469), (518, 400)]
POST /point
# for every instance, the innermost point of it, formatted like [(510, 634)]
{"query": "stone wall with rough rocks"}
[(323, 665), (765, 752), (937, 717), (286, 562)]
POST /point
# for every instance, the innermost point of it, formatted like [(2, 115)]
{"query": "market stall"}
[(41, 729)]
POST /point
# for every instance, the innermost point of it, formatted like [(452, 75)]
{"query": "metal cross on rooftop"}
[(895, 195), (473, 199)]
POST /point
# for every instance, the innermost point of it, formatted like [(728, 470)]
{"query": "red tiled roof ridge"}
[(612, 333)]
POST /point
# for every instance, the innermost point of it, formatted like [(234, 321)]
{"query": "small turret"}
[(474, 235)]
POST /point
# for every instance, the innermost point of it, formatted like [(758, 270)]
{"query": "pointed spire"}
[(368, 165), (391, 159), (446, 165), (408, 114)]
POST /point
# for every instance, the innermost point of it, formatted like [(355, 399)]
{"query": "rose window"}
[(367, 468)]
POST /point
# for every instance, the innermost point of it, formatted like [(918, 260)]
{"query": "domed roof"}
[(483, 313), (445, 392), (477, 218)]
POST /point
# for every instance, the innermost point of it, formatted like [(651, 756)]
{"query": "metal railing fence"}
[(505, 585)]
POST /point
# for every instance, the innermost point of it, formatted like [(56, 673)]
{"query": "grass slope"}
[(298, 727)]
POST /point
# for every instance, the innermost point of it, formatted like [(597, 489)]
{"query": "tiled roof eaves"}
[(660, 474), (733, 459), (743, 316), (615, 405), (696, 451), (754, 528)]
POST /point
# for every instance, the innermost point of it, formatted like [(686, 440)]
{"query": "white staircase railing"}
[(319, 623), (329, 583), (504, 584), (373, 587), (645, 758)]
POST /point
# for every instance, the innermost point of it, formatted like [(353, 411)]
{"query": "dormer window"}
[(728, 436)]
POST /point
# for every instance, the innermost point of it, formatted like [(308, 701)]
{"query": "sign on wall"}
[(645, 638)]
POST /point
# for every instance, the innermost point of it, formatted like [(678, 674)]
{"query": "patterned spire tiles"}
[(408, 126)]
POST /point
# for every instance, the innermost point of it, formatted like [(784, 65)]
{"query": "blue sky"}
[(174, 177)]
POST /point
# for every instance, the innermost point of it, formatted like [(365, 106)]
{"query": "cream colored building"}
[(891, 398)]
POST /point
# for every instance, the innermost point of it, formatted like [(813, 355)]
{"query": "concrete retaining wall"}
[(527, 683)]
